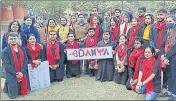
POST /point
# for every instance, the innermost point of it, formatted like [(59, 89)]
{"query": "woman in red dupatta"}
[(72, 66), (120, 74), (114, 29), (149, 81)]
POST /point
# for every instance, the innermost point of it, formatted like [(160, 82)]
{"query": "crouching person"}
[(54, 52), (149, 81), (15, 62)]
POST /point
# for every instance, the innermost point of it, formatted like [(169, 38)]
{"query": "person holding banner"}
[(15, 62), (72, 67), (91, 41), (105, 66), (34, 53), (54, 52), (120, 61)]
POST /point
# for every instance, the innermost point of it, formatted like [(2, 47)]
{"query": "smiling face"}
[(106, 16), (95, 11), (32, 40), (137, 44), (95, 20), (73, 19), (71, 37), (91, 33), (52, 23), (141, 13), (134, 22), (125, 19), (28, 22), (112, 22), (14, 27), (161, 16), (13, 40), (122, 40), (148, 53), (63, 21)]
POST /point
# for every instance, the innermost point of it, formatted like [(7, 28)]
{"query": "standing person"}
[(72, 66), (171, 21), (169, 56), (149, 81), (95, 12), (81, 28), (118, 15), (114, 29), (63, 30), (105, 66), (51, 26), (14, 26), (29, 28), (146, 28), (126, 25), (73, 21), (106, 21), (15, 62), (34, 53), (91, 41), (98, 29), (54, 52), (133, 32), (41, 29), (120, 61), (141, 15), (134, 58)]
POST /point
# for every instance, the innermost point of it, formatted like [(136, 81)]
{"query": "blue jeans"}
[(172, 77), (152, 96)]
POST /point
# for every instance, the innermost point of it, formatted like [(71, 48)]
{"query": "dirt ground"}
[(83, 88)]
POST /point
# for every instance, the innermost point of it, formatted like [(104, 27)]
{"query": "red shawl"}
[(147, 70), (34, 53), (97, 31), (18, 67), (74, 46), (119, 20), (136, 72), (91, 20), (115, 32), (141, 19), (160, 26), (134, 56), (90, 43), (133, 32), (122, 52), (51, 58), (125, 29)]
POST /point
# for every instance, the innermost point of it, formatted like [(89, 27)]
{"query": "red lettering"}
[(88, 53), (100, 51), (75, 53)]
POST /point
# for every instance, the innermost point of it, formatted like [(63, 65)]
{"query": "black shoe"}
[(59, 80), (172, 98), (165, 95), (77, 76), (69, 76), (91, 75)]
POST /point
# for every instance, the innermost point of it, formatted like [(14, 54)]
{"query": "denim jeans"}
[(151, 96)]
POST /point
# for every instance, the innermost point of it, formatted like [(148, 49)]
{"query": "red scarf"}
[(136, 72), (97, 31), (160, 26), (34, 53), (51, 58), (90, 43), (115, 32), (91, 20), (119, 19), (133, 32), (122, 52), (125, 29), (18, 67), (134, 56), (147, 70), (141, 19), (74, 46)]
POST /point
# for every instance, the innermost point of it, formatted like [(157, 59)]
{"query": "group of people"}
[(142, 48)]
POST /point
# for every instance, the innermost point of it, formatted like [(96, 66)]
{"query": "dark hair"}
[(140, 39), (49, 20), (135, 19), (71, 32), (151, 16), (121, 36), (142, 8), (33, 19), (91, 28), (172, 16), (13, 34), (81, 14), (64, 18), (19, 29), (96, 8), (30, 36), (118, 10), (151, 48), (107, 13), (162, 10), (115, 20)]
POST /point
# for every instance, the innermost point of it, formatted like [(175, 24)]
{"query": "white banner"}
[(89, 53), (39, 77)]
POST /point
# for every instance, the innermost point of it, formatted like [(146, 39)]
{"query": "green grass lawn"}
[(83, 88)]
